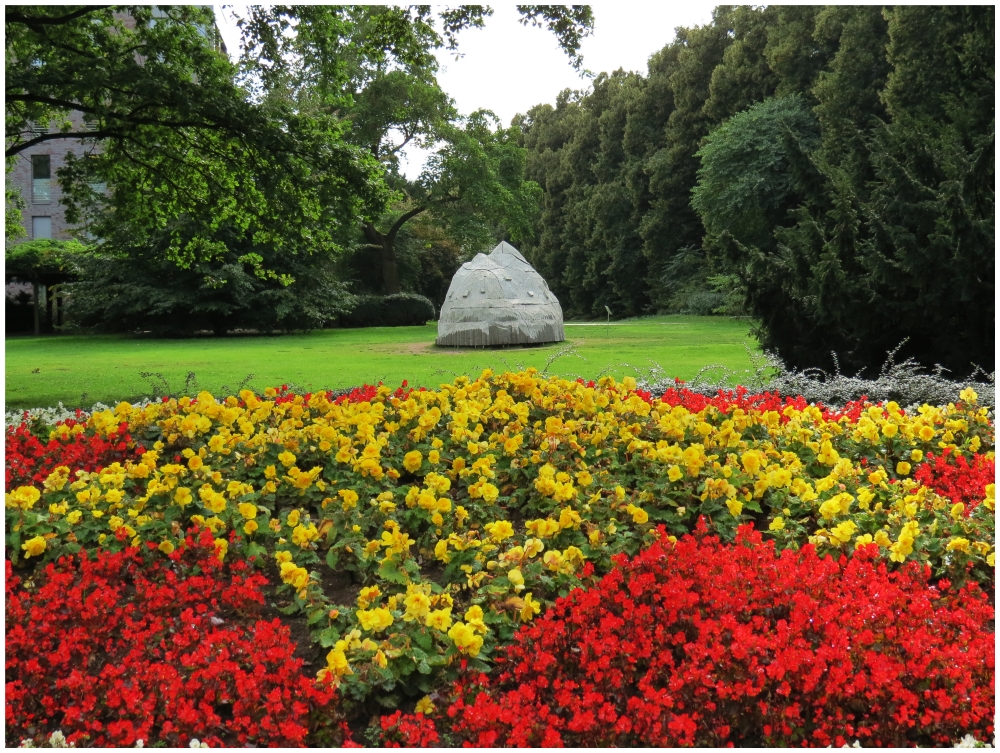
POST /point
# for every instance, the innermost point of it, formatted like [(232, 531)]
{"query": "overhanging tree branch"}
[(391, 235), (15, 17), (18, 148)]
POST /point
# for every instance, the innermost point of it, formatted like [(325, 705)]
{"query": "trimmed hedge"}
[(398, 310)]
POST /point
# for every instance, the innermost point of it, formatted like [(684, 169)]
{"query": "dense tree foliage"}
[(183, 149), (143, 291), (286, 155), (833, 165), (379, 76)]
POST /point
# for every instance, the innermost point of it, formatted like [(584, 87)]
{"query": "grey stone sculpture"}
[(499, 299)]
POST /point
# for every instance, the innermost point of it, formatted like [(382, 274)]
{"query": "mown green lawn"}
[(81, 370)]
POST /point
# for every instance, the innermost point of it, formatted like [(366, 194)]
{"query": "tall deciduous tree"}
[(184, 151), (384, 58), (833, 163), (890, 231), (474, 185)]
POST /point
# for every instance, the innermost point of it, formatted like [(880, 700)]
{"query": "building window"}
[(41, 227), (96, 185), (41, 179)]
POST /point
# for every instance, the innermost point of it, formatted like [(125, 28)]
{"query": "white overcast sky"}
[(508, 68)]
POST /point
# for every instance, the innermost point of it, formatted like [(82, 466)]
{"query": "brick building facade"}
[(34, 176), (34, 171)]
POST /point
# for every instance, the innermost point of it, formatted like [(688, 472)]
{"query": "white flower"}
[(58, 740), (968, 742), (138, 743), (196, 744)]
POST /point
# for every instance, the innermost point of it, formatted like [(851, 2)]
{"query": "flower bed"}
[(113, 650), (460, 515), (697, 643), (29, 459)]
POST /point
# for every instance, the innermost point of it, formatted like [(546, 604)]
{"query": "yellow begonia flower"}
[(33, 547), (489, 492), (958, 544), (530, 608), (516, 579), (297, 577), (574, 556), (439, 619), (639, 515), (302, 535), (413, 460), (418, 606), (336, 660), (375, 619), (839, 504), (904, 543), (465, 639), (500, 530), (844, 531), (23, 497), (543, 528), (368, 595), (778, 524)]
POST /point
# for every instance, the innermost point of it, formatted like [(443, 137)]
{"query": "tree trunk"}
[(390, 276), (386, 242), (34, 297), (387, 254)]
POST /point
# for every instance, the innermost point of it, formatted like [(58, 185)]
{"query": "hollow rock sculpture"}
[(499, 299)]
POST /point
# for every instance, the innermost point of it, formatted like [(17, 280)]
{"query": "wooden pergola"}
[(43, 263)]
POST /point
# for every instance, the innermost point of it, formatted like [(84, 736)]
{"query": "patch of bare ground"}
[(338, 587), (423, 349)]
